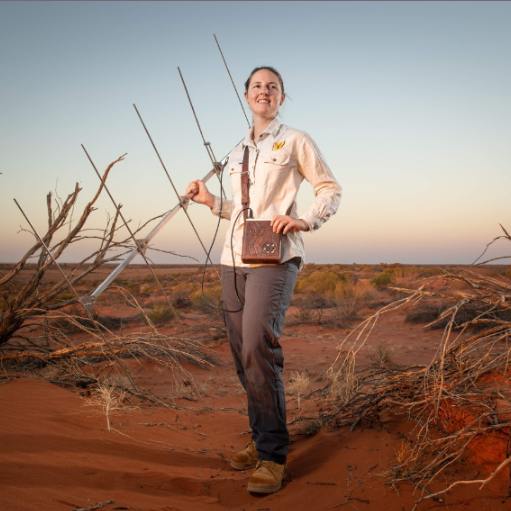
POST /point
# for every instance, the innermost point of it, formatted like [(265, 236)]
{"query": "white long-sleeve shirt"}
[(278, 164)]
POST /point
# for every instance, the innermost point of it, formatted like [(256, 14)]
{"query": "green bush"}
[(133, 287), (160, 314), (320, 283), (181, 294), (383, 280), (213, 296)]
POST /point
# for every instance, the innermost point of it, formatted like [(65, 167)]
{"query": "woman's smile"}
[(264, 94)]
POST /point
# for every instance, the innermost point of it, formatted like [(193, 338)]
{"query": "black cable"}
[(208, 258)]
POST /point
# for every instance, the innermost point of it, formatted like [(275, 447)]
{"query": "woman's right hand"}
[(198, 192)]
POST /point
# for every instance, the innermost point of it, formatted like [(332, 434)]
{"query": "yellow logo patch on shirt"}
[(278, 145)]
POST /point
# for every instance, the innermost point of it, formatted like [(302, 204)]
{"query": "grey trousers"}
[(254, 333)]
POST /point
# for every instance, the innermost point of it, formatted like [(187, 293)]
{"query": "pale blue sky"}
[(408, 101)]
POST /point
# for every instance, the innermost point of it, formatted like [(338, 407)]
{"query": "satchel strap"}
[(245, 199)]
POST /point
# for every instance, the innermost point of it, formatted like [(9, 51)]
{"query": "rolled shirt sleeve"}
[(223, 207)]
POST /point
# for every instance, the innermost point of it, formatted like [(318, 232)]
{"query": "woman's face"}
[(264, 94)]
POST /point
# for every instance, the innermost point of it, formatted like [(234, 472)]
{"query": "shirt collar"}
[(272, 129)]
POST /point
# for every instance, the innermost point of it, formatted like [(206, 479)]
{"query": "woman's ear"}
[(283, 98), (246, 96)]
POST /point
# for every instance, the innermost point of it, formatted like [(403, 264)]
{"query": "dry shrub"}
[(311, 308), (454, 409), (380, 356), (26, 301), (310, 426), (189, 389), (67, 361), (209, 303), (350, 299), (367, 271), (112, 399), (425, 313), (316, 293), (160, 315), (299, 382), (433, 315), (305, 314), (181, 293), (342, 379)]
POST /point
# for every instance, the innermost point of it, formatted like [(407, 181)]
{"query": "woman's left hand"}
[(286, 223)]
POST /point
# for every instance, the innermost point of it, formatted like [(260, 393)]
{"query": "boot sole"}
[(242, 466), (259, 488)]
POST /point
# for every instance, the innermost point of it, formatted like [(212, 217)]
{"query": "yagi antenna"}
[(232, 81), (219, 169), (207, 145), (184, 201)]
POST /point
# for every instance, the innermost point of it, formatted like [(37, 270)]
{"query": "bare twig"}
[(97, 506)]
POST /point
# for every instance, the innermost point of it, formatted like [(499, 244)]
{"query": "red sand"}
[(56, 453)]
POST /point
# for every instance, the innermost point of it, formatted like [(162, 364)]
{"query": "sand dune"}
[(57, 454)]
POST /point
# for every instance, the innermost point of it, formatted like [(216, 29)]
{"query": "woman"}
[(256, 297)]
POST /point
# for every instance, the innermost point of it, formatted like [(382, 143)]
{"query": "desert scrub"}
[(380, 356), (182, 292), (383, 280), (368, 271), (342, 380), (350, 299), (310, 309), (111, 399), (299, 382), (319, 283), (133, 287), (212, 304), (316, 294), (160, 315), (310, 427)]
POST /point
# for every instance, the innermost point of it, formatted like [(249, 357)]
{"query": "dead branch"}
[(24, 301), (97, 506)]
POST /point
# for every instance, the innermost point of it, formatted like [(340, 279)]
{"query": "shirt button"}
[(274, 159)]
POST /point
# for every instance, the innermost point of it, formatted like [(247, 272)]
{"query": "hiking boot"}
[(267, 477), (247, 458)]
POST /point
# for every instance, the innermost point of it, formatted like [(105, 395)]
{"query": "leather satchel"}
[(260, 244)]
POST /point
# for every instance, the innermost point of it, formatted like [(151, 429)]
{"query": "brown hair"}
[(269, 68)]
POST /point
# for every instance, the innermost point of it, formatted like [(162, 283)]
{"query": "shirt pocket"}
[(276, 167)]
